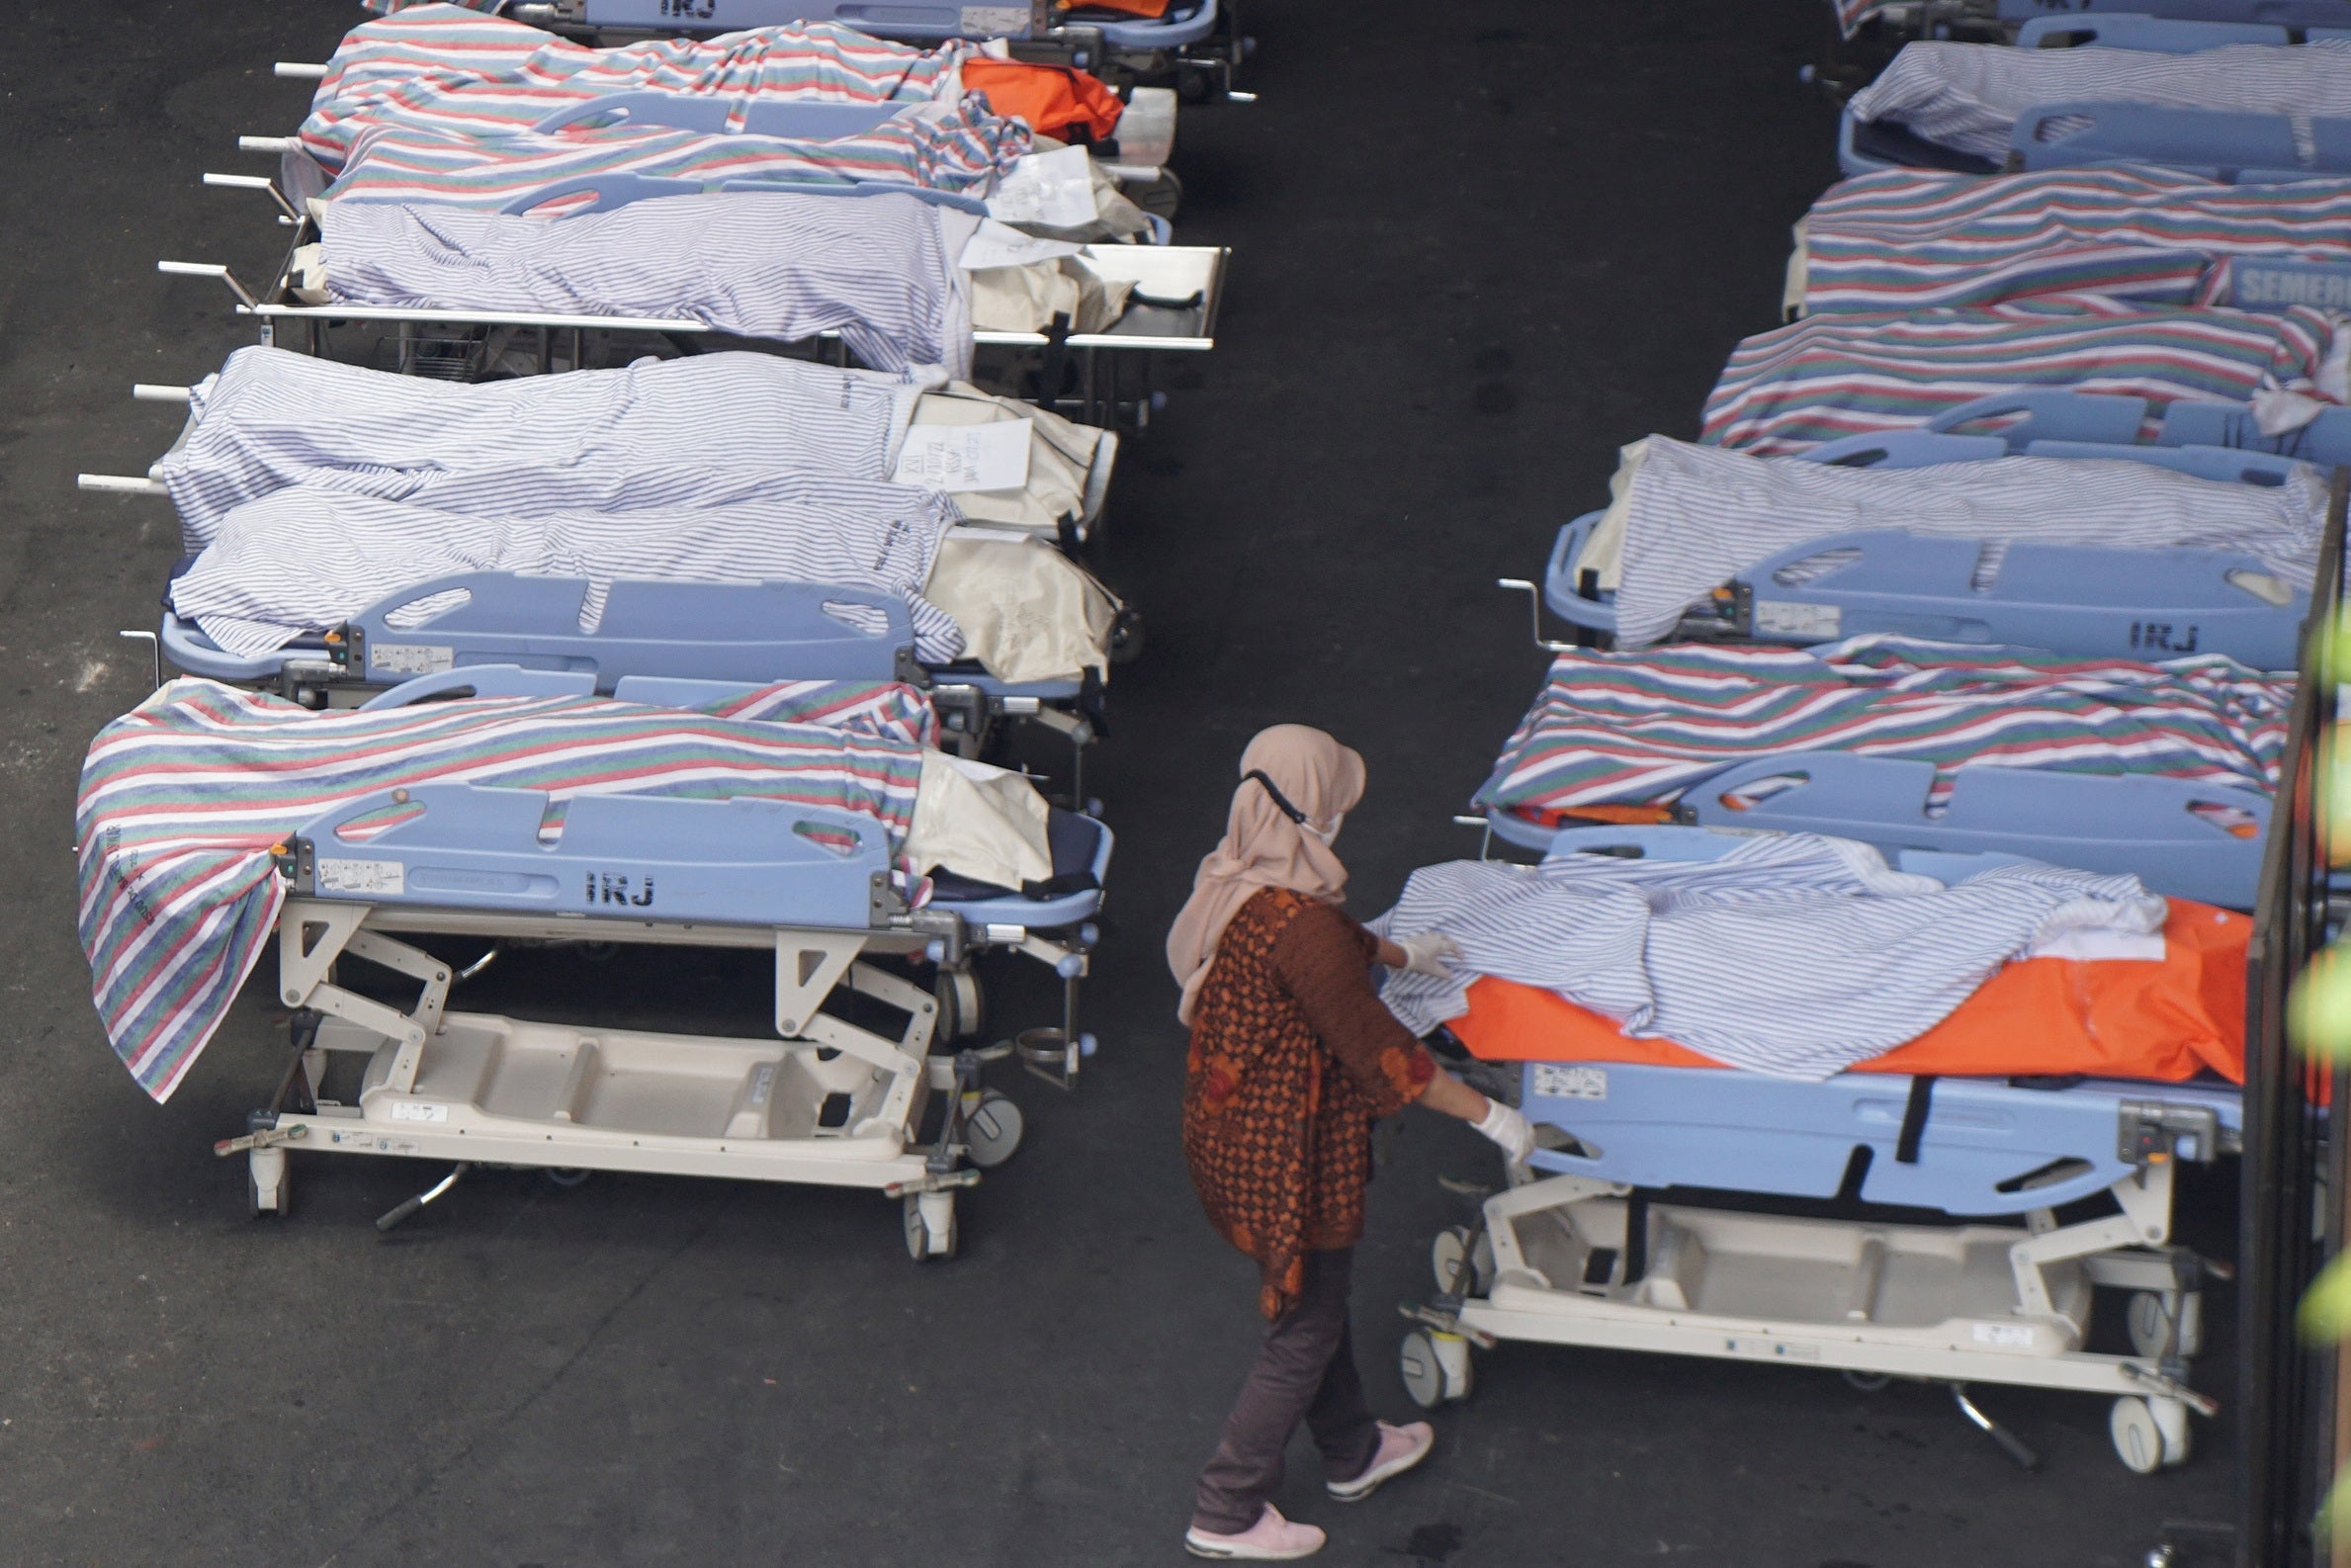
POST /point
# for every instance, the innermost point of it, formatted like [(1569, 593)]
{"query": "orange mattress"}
[(2100, 1018)]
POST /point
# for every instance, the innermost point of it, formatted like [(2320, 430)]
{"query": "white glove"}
[(1511, 1132), (1425, 953)]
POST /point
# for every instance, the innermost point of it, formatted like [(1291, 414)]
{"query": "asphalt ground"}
[(1476, 248)]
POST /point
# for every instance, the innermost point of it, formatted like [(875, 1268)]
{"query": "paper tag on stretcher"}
[(1793, 618), (965, 457), (987, 21), (1054, 189), (994, 244), (1555, 1081), (377, 878)]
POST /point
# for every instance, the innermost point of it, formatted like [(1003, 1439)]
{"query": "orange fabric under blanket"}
[(1055, 102), (1132, 8), (2103, 1018)]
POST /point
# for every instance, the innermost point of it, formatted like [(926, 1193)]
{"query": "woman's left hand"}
[(1425, 953)]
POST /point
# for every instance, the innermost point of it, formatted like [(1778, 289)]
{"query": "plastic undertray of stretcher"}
[(1791, 1270), (623, 1081)]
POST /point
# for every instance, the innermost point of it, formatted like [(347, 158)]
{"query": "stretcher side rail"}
[(2147, 34), (2041, 414), (1185, 26), (821, 120), (2184, 839), (710, 631), (2218, 144)]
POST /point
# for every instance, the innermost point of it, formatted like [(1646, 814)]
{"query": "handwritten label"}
[(1793, 618), (1555, 1081), (991, 457), (377, 878), (411, 658)]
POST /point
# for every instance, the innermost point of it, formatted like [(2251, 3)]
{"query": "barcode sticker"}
[(411, 658), (1569, 1083), (362, 877), (1793, 618)]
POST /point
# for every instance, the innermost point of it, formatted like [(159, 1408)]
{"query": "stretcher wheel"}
[(931, 1226), (2151, 1323), (1126, 636), (1434, 1366), (565, 1175), (278, 1199), (1445, 1258), (1160, 197), (991, 1129), (2137, 1439), (962, 1009)]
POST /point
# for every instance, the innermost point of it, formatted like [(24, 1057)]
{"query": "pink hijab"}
[(1265, 846)]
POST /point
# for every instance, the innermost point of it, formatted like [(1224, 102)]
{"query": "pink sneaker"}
[(1271, 1538), (1400, 1448)]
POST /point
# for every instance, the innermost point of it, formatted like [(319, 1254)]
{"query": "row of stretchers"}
[(1998, 551), (653, 515)]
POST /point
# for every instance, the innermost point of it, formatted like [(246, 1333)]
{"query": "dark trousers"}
[(1305, 1371)]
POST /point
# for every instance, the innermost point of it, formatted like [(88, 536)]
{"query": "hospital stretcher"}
[(2146, 603), (1178, 291), (1193, 43), (2029, 23), (829, 1101), (1576, 1251)]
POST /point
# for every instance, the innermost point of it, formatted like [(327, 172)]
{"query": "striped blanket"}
[(1690, 518), (1792, 955), (1905, 240), (1832, 375), (600, 440), (1627, 728), (442, 66), (182, 799), (941, 146), (298, 559), (1968, 96), (881, 269)]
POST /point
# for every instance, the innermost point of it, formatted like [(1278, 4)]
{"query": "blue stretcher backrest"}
[(2055, 417), (1698, 846)]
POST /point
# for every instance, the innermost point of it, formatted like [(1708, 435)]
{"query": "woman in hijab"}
[(1293, 1059)]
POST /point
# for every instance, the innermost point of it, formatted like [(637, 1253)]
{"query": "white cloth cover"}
[(980, 822)]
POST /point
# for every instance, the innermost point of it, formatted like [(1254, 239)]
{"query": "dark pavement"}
[(1477, 246)]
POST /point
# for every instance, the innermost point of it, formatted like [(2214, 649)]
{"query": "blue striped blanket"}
[(1792, 955), (881, 269), (592, 440)]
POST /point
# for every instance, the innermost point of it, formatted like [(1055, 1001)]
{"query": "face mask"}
[(1326, 834)]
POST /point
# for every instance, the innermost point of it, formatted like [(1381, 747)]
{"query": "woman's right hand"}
[(1510, 1131)]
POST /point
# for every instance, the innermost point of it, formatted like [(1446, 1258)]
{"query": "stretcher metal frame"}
[(1575, 1252), (2032, 23), (1113, 368), (829, 1101)]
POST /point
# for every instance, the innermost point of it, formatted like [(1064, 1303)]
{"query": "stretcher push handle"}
[(210, 269), (255, 182), (150, 392), (298, 71), (277, 144), (1535, 613), (119, 484)]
